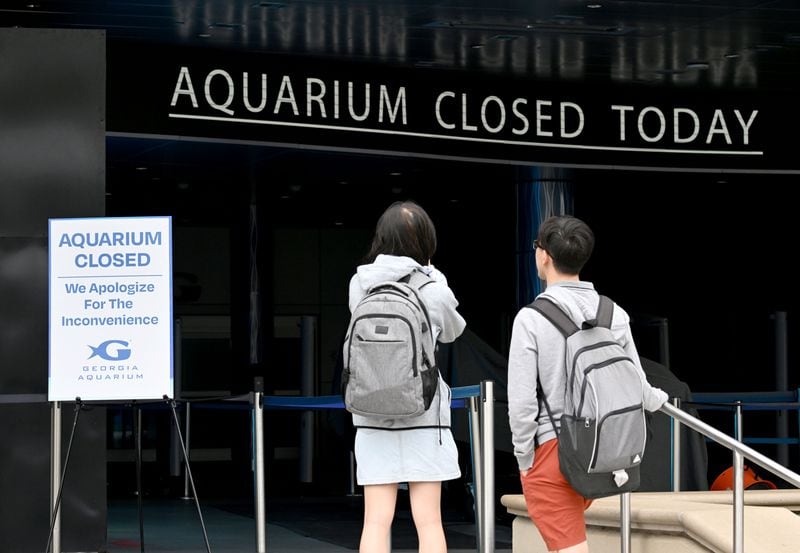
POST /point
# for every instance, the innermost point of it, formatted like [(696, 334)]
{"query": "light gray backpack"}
[(602, 433), (389, 352)]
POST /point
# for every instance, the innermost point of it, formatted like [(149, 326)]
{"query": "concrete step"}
[(678, 522)]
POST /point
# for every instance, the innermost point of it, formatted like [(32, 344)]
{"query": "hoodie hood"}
[(578, 298), (385, 267)]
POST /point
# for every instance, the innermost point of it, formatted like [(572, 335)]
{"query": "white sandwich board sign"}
[(110, 308)]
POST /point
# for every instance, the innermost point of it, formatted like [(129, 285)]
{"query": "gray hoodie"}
[(446, 322), (538, 348)]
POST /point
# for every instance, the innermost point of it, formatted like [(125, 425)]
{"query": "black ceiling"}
[(704, 43), (210, 183)]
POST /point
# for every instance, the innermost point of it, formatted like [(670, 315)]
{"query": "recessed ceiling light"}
[(697, 65), (141, 168), (32, 5), (505, 38), (477, 46), (203, 35), (594, 6), (732, 56), (395, 173)]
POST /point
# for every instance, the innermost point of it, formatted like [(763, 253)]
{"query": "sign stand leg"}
[(171, 403), (57, 505), (137, 430)]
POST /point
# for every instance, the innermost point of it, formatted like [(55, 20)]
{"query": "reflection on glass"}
[(637, 48)]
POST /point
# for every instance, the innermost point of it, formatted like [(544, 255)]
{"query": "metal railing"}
[(781, 402), (477, 399), (740, 452)]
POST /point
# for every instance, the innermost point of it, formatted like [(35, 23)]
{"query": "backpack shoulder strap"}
[(605, 312), (417, 279), (553, 313), (559, 319)]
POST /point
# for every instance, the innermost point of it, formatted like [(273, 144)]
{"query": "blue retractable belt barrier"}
[(335, 401)]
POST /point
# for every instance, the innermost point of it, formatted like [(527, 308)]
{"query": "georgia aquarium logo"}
[(109, 353)]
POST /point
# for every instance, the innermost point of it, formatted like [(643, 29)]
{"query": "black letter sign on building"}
[(446, 113)]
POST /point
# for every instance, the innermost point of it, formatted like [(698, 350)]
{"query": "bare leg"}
[(427, 512), (582, 547), (379, 502)]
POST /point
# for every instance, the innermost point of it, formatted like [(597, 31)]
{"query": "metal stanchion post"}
[(258, 457), (308, 341), (738, 423), (676, 449), (625, 522), (663, 341), (137, 430), (55, 472), (188, 450), (782, 383), (487, 437), (738, 487), (477, 470)]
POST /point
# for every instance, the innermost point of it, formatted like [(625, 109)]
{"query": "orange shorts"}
[(554, 507)]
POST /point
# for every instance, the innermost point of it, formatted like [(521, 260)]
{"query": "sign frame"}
[(110, 309)]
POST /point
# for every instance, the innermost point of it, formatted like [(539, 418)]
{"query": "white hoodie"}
[(446, 322)]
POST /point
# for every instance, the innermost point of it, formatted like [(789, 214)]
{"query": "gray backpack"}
[(389, 352), (603, 431)]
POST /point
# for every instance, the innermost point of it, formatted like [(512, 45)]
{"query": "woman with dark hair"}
[(419, 450)]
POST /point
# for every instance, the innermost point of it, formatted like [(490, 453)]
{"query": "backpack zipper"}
[(583, 350), (420, 305), (589, 369)]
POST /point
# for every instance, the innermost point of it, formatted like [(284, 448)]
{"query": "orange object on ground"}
[(751, 481)]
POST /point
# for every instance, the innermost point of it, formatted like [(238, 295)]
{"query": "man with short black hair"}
[(563, 246)]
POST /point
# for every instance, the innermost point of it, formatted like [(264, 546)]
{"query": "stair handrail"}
[(740, 451), (734, 445)]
